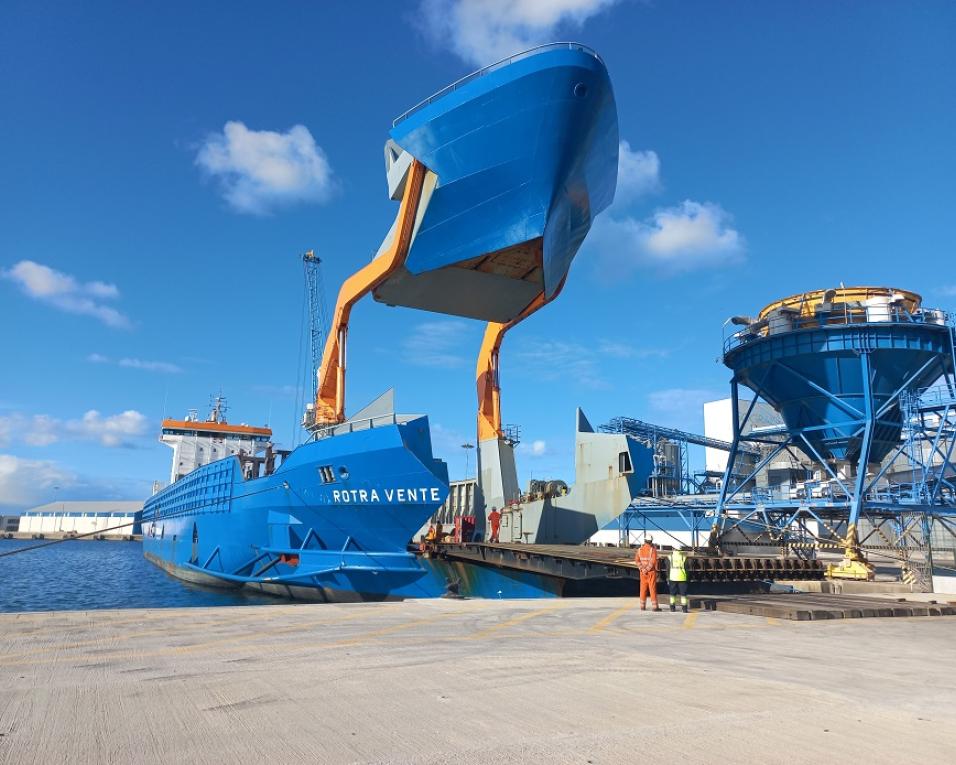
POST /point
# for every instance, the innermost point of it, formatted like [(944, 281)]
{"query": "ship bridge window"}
[(326, 474), (624, 463)]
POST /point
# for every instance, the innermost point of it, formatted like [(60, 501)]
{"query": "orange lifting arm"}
[(330, 395), (486, 372)]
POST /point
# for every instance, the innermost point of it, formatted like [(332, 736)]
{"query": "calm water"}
[(80, 575)]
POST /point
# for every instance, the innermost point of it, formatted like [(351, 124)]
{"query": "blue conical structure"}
[(835, 364), (820, 380), (830, 367)]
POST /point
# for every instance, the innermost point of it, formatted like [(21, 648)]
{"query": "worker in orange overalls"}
[(494, 518), (646, 560)]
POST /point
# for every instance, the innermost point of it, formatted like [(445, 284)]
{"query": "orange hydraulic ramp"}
[(330, 393)]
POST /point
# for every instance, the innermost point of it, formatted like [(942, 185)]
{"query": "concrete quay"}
[(563, 681)]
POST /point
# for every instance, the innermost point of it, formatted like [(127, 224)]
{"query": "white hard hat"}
[(649, 538)]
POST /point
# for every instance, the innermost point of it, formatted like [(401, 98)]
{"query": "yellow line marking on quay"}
[(240, 642), (516, 620), (392, 629), (63, 653), (690, 620), (612, 617), (127, 636)]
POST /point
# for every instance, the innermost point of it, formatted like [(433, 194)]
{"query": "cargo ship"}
[(327, 521), (498, 178)]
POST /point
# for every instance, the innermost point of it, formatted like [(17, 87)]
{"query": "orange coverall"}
[(494, 517), (646, 560)]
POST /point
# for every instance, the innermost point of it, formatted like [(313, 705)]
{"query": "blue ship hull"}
[(296, 534), (525, 153)]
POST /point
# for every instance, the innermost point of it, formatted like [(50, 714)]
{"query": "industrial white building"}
[(719, 424), (9, 523), (65, 518)]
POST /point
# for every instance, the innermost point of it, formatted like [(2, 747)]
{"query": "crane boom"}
[(330, 384), (486, 371)]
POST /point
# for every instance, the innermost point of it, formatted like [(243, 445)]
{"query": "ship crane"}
[(329, 406), (487, 371)]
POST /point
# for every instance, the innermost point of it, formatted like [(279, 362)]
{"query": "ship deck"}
[(580, 563)]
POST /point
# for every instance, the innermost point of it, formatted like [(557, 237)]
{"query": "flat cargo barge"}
[(585, 570)]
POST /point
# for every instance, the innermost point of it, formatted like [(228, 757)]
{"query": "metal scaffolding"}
[(671, 473)]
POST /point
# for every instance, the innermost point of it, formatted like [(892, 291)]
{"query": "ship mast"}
[(318, 313)]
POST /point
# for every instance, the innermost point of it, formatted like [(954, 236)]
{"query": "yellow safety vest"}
[(678, 571)]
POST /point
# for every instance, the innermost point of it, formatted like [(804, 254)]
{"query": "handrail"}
[(490, 68), (351, 426), (768, 327)]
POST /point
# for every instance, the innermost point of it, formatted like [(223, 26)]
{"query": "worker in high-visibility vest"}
[(646, 560), (677, 579)]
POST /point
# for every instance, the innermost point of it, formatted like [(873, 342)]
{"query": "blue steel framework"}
[(890, 419), (318, 313), (655, 437)]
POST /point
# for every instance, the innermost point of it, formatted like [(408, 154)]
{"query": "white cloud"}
[(29, 482), (546, 359), (484, 31), (675, 400), (551, 360), (65, 292), (279, 391), (447, 445), (681, 238), (26, 483), (449, 440), (260, 170), (638, 173), (150, 366), (618, 350), (165, 367), (693, 231), (536, 448), (682, 408), (437, 344), (117, 430)]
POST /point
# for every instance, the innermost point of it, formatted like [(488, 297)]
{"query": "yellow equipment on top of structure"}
[(808, 304)]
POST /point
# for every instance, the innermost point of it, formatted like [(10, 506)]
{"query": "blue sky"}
[(164, 165)]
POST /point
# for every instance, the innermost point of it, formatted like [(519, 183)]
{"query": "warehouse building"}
[(75, 518)]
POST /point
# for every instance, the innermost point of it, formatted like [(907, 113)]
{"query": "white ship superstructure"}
[(198, 442)]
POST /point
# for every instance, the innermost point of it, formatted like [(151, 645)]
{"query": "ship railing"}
[(492, 68), (847, 314), (351, 426)]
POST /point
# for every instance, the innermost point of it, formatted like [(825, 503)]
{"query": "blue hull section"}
[(298, 534), (524, 151)]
